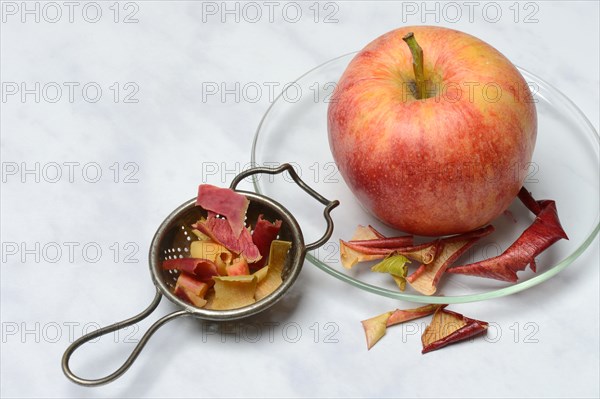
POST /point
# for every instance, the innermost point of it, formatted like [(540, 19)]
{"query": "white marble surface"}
[(547, 342)]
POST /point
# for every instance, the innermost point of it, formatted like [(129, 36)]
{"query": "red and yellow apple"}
[(433, 132)]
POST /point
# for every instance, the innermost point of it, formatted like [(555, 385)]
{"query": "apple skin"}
[(446, 164)]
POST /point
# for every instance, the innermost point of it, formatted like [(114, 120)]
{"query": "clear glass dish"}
[(564, 168)]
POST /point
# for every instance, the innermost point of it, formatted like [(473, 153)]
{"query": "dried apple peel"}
[(403, 315), (226, 202), (426, 278), (211, 251), (541, 234), (448, 327), (233, 292), (273, 280), (376, 327), (396, 266), (353, 252), (350, 257)]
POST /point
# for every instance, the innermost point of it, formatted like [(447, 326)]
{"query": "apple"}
[(433, 130)]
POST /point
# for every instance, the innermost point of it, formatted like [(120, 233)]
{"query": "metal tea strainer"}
[(174, 236)]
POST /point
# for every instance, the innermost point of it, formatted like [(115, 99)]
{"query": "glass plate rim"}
[(512, 289)]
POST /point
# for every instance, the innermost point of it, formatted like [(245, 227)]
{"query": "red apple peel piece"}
[(226, 202), (189, 297), (352, 253), (351, 257), (390, 242), (239, 267), (192, 285), (220, 231), (426, 278), (448, 327), (543, 232), (264, 234), (202, 269), (191, 290), (375, 327)]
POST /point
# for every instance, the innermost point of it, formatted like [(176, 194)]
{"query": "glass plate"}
[(564, 168)]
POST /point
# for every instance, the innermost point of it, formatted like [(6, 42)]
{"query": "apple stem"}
[(417, 54)]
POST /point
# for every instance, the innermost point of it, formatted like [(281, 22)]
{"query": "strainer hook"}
[(329, 205)]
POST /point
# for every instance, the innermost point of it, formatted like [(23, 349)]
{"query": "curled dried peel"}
[(353, 252), (426, 278), (403, 315), (264, 234), (202, 269), (396, 266), (543, 232), (212, 251), (220, 232), (448, 327), (376, 327), (233, 292), (191, 284), (272, 280), (388, 242), (239, 267), (261, 274), (366, 233), (226, 202), (191, 290), (424, 253), (351, 257)]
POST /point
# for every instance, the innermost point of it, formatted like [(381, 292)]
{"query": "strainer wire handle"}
[(290, 169), (114, 327)]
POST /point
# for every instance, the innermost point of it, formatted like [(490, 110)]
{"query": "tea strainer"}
[(173, 238)]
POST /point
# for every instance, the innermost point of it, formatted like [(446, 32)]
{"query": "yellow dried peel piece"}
[(375, 328), (350, 257), (442, 325), (424, 283), (232, 292), (272, 280), (400, 281), (210, 251), (363, 233), (261, 274), (424, 255)]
